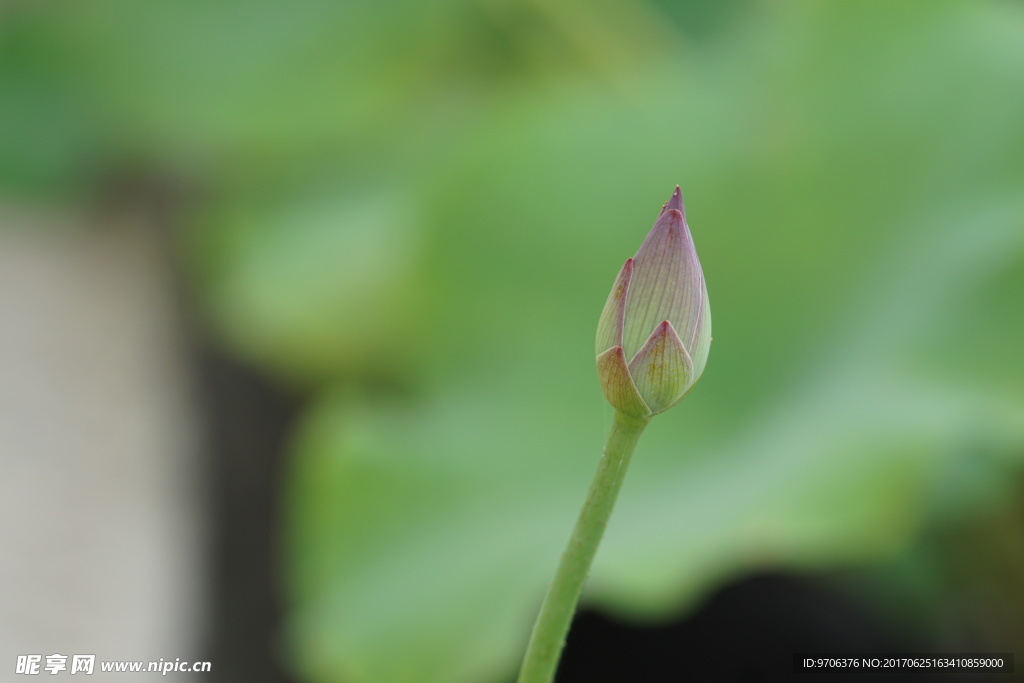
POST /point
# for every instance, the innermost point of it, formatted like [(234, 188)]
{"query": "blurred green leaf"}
[(51, 139), (315, 284)]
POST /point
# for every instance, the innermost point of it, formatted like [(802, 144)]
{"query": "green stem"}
[(548, 638)]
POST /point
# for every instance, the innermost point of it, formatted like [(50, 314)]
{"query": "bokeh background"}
[(298, 302)]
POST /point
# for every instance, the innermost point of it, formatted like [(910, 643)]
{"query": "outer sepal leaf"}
[(699, 343), (662, 370), (618, 386), (609, 327)]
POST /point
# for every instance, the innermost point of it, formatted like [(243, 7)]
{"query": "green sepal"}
[(662, 370), (618, 386), (609, 326)]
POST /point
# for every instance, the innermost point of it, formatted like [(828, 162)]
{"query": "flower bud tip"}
[(675, 202)]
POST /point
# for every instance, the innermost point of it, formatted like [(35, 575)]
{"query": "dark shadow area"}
[(748, 631), (248, 423)]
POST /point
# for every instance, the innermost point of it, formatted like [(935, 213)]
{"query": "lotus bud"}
[(654, 334)]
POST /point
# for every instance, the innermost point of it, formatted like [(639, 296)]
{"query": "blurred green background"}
[(411, 213)]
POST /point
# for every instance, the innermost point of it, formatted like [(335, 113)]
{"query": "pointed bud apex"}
[(655, 330), (675, 202)]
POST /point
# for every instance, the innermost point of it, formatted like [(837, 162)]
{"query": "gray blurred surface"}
[(101, 492)]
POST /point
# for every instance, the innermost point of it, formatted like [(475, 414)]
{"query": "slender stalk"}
[(548, 637)]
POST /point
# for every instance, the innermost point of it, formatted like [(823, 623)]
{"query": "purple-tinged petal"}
[(662, 370), (667, 282), (617, 385), (609, 326)]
